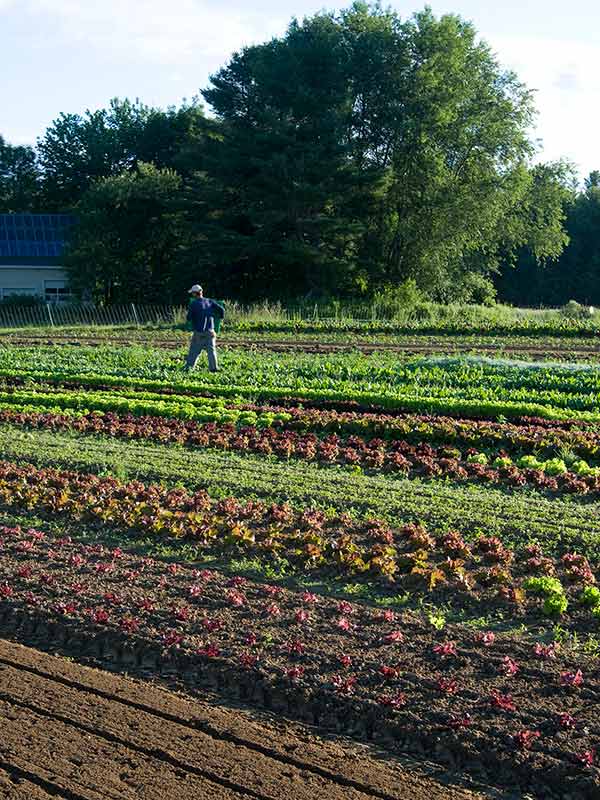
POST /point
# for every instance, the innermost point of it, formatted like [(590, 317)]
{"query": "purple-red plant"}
[(525, 739), (508, 667), (445, 650), (398, 700), (343, 684), (574, 679), (503, 702)]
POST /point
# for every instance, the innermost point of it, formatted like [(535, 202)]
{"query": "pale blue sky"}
[(68, 55)]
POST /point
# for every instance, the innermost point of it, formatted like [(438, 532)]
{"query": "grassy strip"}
[(520, 518)]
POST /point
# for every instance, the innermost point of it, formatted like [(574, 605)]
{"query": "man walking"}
[(201, 314)]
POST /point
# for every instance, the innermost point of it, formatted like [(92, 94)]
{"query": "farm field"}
[(399, 548), (332, 339)]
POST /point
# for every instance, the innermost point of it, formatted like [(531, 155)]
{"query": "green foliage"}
[(574, 280), (19, 178), (551, 589), (127, 237), (555, 605), (78, 150), (590, 597), (554, 466), (544, 586)]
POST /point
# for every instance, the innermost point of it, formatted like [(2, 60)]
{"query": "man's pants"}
[(200, 342)]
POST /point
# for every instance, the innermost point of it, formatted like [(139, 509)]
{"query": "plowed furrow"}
[(194, 740), (17, 783), (31, 683), (92, 766)]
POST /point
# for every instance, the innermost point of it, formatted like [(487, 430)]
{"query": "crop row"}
[(399, 457), (201, 409), (518, 517), (543, 436), (461, 385), (410, 558), (526, 704)]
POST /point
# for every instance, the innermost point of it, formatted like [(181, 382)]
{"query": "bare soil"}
[(77, 733), (61, 596)]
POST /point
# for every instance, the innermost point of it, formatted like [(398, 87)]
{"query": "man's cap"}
[(195, 288)]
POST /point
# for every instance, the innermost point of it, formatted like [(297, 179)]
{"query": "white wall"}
[(31, 280)]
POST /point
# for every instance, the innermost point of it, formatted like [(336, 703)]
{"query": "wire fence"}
[(58, 315), (54, 315)]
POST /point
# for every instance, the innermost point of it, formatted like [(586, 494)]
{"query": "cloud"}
[(175, 33), (567, 81), (564, 75)]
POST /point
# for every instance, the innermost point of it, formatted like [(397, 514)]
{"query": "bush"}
[(575, 310), (393, 299)]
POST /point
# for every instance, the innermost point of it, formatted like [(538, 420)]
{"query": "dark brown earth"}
[(77, 733)]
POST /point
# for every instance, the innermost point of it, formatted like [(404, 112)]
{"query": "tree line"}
[(357, 154)]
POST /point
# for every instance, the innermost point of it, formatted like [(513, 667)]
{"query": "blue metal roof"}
[(33, 235)]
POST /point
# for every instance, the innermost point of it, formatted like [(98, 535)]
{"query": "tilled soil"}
[(76, 733), (383, 677)]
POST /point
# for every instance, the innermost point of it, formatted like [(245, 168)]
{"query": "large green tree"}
[(361, 150), (19, 178), (76, 150), (126, 244), (294, 201)]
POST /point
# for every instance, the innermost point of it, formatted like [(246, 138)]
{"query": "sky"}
[(70, 55)]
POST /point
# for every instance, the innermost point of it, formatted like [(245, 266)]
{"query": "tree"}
[(290, 218), (19, 178), (580, 263), (359, 150), (77, 150), (560, 258), (129, 233)]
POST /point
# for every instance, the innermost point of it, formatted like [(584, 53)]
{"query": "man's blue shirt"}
[(202, 313)]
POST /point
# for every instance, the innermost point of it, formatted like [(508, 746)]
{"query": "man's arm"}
[(217, 309), (189, 313)]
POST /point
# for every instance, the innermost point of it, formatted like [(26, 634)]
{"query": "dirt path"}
[(77, 733), (409, 345)]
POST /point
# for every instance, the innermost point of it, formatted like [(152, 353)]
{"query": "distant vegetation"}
[(358, 156)]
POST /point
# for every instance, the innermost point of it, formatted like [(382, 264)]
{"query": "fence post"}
[(49, 315), (135, 315)]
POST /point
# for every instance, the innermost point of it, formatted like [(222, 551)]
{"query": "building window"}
[(57, 292)]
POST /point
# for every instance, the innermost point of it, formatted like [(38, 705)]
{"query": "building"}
[(31, 246)]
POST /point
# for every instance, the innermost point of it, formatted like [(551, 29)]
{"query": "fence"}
[(53, 315)]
